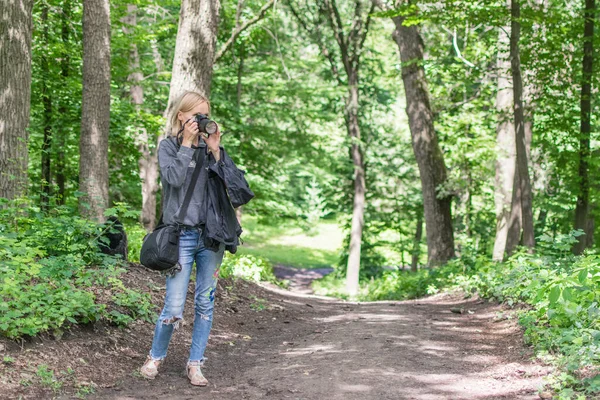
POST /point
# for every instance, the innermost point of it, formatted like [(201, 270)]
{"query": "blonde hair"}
[(184, 103)]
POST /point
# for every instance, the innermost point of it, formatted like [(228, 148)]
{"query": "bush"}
[(247, 267), (562, 292), (135, 237), (51, 270)]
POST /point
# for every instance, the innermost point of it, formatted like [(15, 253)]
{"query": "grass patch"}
[(294, 256), (285, 242)]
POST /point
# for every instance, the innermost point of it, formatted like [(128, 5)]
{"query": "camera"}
[(205, 124)]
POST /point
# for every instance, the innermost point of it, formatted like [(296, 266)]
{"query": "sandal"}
[(150, 368), (195, 375)]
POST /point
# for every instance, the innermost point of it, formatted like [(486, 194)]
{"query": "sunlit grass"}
[(284, 242)]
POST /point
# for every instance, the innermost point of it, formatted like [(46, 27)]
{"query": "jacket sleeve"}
[(174, 164), (235, 183)]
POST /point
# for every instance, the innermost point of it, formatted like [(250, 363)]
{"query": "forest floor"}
[(278, 344)]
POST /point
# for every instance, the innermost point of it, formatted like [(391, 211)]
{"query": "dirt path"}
[(300, 279), (275, 344), (289, 346)]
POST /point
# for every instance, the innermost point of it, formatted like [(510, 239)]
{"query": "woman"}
[(177, 157)]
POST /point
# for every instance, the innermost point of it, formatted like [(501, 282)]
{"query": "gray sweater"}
[(176, 169)]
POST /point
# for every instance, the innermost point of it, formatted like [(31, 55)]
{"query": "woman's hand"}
[(213, 141), (190, 133)]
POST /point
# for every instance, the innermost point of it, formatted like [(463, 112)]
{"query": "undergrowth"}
[(561, 292), (53, 275), (248, 267)]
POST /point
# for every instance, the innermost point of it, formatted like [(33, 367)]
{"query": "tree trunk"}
[(194, 49), (15, 88), (148, 159), (47, 102), (414, 265), (505, 150), (358, 208), (95, 110), (238, 214), (62, 108), (240, 73), (432, 169), (350, 45), (583, 197), (524, 192)]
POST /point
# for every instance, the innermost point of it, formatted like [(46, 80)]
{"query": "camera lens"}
[(211, 127)]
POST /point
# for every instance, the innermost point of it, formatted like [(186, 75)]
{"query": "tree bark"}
[(358, 207), (583, 197), (62, 108), (524, 194), (15, 95), (437, 208), (148, 159), (47, 102), (240, 73), (95, 110), (505, 149), (414, 265), (194, 49), (238, 214)]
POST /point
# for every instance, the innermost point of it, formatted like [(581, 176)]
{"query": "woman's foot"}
[(150, 368), (195, 375)]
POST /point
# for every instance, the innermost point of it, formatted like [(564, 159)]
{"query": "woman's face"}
[(200, 108)]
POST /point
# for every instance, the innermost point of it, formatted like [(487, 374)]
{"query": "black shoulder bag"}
[(160, 250)]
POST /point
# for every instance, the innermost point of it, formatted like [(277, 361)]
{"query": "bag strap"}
[(190, 189)]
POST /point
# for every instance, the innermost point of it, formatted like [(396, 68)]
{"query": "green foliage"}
[(315, 207), (51, 271), (135, 239), (394, 284), (247, 267), (47, 377), (258, 304), (563, 294), (284, 241)]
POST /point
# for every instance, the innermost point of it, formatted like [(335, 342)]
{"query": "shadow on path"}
[(301, 347)]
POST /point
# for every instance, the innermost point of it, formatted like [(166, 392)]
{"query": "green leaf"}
[(567, 294), (582, 276), (554, 294)]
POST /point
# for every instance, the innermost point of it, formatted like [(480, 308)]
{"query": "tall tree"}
[(47, 121), (505, 145), (432, 168), (15, 94), (194, 48), (148, 158), (522, 197), (350, 46), (95, 113), (62, 108), (583, 197)]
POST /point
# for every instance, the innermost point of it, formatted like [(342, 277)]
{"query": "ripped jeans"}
[(191, 248)]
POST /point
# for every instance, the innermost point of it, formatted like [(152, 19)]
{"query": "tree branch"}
[(335, 21), (241, 28), (363, 36), (316, 34)]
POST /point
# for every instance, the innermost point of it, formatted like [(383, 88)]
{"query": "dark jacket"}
[(227, 188), (221, 186)]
